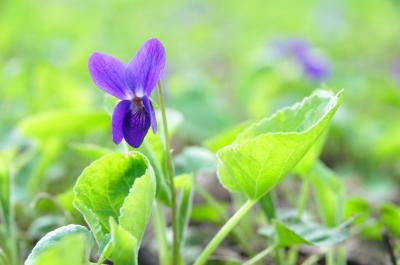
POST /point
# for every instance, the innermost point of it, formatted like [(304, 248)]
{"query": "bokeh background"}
[(227, 62)]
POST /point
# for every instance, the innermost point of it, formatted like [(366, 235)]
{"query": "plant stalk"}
[(260, 255), (237, 232), (224, 231), (170, 173)]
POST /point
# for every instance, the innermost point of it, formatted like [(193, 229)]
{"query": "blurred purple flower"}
[(315, 65), (396, 71), (132, 84)]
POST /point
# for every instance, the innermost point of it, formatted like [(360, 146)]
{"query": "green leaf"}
[(194, 160), (266, 151), (136, 209), (329, 191), (293, 232), (184, 183), (64, 246), (362, 212), (124, 245), (120, 186), (63, 123), (390, 216)]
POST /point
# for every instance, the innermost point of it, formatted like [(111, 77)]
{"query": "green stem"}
[(260, 255), (237, 232), (170, 173), (224, 231), (330, 259), (280, 256), (293, 253), (311, 260), (341, 255), (161, 235)]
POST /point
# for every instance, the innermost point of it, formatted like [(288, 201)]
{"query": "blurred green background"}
[(223, 68)]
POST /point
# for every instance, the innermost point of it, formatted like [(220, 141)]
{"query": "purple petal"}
[(315, 67), (146, 68), (120, 111), (150, 110), (135, 126), (299, 47), (108, 73)]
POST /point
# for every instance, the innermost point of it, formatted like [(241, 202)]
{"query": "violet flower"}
[(132, 84), (314, 65), (396, 71)]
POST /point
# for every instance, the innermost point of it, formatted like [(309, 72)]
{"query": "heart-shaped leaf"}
[(120, 186), (64, 246), (266, 151)]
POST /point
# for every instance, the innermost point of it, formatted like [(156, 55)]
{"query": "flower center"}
[(137, 101)]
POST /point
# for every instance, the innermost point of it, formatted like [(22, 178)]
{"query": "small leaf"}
[(294, 232), (64, 246), (124, 245), (360, 209), (118, 186), (266, 151)]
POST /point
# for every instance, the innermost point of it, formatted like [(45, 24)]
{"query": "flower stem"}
[(170, 173), (260, 255), (223, 232)]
